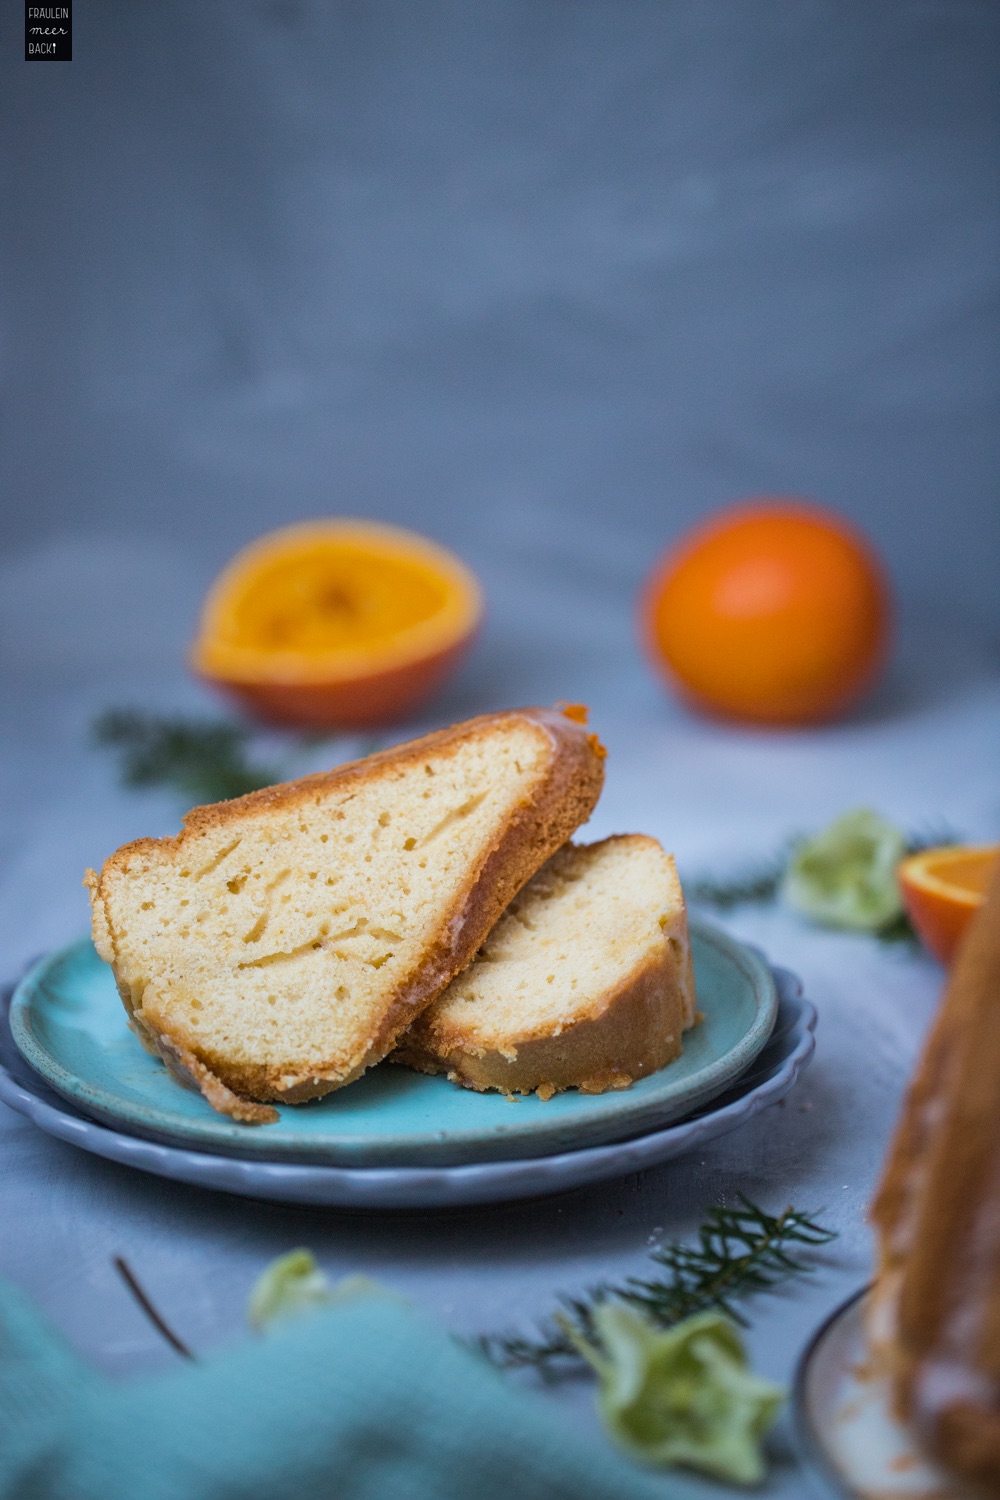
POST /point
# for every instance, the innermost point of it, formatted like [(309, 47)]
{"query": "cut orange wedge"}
[(942, 888), (339, 624)]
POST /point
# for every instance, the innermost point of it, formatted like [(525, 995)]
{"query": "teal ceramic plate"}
[(429, 1188), (68, 1023)]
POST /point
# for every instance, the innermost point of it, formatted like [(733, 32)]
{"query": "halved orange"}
[(339, 624), (942, 888)]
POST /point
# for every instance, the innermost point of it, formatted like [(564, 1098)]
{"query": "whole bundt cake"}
[(936, 1307)]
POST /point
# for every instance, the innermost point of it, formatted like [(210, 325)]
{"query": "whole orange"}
[(773, 612)]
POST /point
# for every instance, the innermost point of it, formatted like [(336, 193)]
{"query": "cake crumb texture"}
[(585, 982)]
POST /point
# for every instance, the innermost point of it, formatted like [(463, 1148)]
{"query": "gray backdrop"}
[(545, 279)]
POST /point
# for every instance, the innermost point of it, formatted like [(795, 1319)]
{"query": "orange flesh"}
[(941, 889), (968, 873), (331, 598)]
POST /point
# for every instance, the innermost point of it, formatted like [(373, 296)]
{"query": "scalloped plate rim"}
[(421, 1188), (609, 1116)]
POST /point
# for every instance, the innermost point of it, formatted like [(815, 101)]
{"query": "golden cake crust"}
[(627, 1040)]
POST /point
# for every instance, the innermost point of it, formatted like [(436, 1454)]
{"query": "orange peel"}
[(942, 888)]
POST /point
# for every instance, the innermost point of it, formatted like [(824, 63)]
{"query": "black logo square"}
[(48, 32)]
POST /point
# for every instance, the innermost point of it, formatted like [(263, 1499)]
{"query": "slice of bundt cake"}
[(278, 946), (585, 982), (935, 1323)]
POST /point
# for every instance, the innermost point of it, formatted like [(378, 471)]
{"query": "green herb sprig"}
[(206, 760), (737, 1251), (754, 885), (934, 836)]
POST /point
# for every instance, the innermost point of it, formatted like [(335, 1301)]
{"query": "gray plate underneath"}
[(770, 1077)]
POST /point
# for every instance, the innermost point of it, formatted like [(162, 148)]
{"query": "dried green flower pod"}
[(683, 1396), (846, 875), (288, 1286)]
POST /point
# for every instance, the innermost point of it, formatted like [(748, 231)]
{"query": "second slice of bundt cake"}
[(585, 982)]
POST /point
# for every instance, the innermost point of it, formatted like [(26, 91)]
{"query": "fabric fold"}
[(362, 1401)]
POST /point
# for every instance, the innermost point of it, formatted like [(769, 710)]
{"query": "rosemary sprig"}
[(934, 836), (738, 1251), (756, 885), (205, 759)]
